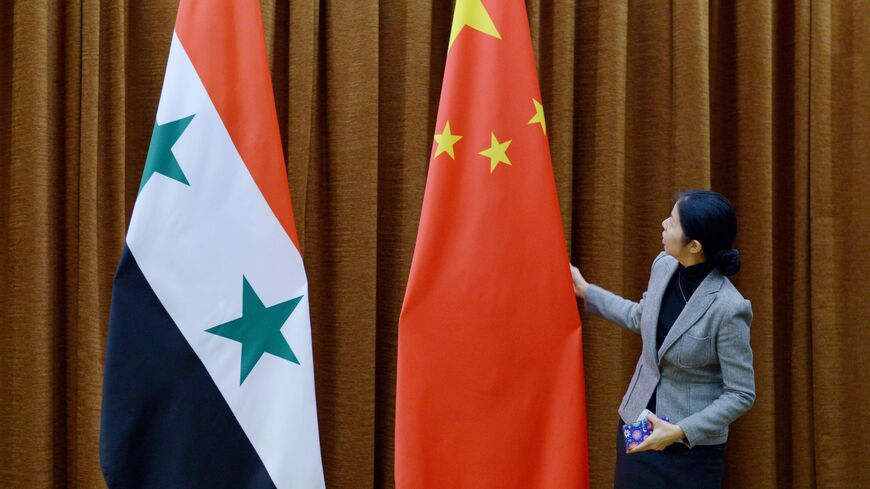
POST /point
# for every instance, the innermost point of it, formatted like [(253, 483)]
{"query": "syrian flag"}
[(209, 379)]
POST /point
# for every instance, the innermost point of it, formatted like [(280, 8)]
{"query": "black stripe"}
[(164, 423)]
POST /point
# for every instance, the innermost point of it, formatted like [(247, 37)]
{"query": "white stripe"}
[(194, 243)]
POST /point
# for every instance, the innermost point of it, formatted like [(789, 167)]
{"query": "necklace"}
[(680, 285)]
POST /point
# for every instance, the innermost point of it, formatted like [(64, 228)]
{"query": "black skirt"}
[(675, 467)]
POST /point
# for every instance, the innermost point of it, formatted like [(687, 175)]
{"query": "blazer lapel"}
[(695, 308), (650, 319)]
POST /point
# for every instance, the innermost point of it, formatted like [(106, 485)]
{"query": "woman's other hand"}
[(663, 435), (580, 284)]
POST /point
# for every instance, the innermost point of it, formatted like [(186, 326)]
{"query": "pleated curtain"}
[(765, 101)]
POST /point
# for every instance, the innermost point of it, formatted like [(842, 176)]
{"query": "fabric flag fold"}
[(209, 378), (490, 387)]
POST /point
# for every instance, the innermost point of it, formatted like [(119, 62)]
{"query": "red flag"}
[(490, 389)]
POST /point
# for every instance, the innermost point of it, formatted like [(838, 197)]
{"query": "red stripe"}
[(227, 46)]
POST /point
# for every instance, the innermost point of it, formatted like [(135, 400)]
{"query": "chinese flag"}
[(490, 389)]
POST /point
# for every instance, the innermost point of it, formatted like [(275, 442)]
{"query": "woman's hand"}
[(663, 435), (580, 284)]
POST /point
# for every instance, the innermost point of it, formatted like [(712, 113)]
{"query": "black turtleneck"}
[(683, 284), (679, 290)]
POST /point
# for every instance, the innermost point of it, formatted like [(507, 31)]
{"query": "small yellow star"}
[(473, 14), (538, 118), (497, 152), (445, 141)]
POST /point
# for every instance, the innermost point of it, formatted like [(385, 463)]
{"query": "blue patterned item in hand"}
[(637, 432)]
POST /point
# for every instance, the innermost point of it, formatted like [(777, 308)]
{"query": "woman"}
[(696, 363)]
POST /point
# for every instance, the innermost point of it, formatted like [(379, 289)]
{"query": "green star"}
[(160, 158), (259, 329)]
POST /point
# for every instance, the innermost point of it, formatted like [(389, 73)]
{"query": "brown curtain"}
[(765, 101)]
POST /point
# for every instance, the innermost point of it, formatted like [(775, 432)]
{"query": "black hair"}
[(709, 218)]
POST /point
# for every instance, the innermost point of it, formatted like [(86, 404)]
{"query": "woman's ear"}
[(695, 246)]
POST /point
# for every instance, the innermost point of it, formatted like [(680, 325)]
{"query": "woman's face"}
[(672, 235)]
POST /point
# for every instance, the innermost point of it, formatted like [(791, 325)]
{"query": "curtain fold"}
[(765, 101)]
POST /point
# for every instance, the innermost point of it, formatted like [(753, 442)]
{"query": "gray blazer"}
[(702, 375)]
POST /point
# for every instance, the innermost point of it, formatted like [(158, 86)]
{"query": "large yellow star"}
[(445, 141), (473, 14), (538, 118), (497, 152)]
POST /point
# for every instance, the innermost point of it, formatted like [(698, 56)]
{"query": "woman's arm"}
[(620, 311), (606, 304), (738, 378), (600, 302)]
